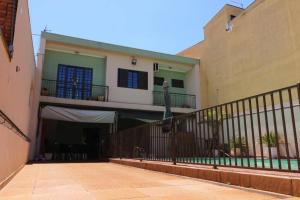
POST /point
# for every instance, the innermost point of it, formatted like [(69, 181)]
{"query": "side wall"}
[(17, 94), (261, 53)]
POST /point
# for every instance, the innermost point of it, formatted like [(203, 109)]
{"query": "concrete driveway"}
[(112, 181)]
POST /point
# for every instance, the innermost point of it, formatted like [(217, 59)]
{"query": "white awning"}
[(77, 115)]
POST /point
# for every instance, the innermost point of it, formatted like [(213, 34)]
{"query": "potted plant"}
[(269, 141), (237, 146)]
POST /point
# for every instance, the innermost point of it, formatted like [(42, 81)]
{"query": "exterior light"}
[(134, 61)]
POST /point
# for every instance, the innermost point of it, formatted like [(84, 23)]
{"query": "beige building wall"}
[(17, 94), (260, 53)]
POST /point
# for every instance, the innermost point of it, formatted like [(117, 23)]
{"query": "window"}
[(132, 79), (158, 81), (232, 17), (74, 82), (177, 83)]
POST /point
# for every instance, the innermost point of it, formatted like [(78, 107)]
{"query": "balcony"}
[(177, 100), (72, 90)]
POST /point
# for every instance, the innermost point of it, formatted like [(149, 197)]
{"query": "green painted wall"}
[(54, 58), (176, 100), (168, 76)]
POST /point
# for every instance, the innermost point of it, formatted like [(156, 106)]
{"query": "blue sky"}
[(159, 25)]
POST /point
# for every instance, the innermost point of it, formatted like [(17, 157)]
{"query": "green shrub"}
[(269, 139), (238, 143)]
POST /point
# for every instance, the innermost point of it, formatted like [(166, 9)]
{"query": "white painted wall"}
[(128, 95)]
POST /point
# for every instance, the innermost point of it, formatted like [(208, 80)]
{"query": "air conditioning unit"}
[(155, 67)]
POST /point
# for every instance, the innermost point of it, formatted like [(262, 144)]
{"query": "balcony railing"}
[(71, 90), (177, 100)]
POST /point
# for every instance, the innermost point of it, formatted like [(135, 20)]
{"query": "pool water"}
[(246, 162)]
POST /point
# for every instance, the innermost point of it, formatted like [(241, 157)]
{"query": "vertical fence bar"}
[(206, 135), (190, 147), (213, 137), (239, 132), (218, 135), (203, 138), (233, 134), (246, 133), (252, 132), (276, 131), (284, 130), (259, 132), (194, 141), (268, 131), (227, 126), (200, 159), (223, 138), (294, 125), (174, 148), (298, 91)]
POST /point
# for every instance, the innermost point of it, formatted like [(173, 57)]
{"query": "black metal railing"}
[(71, 90), (258, 132), (8, 123), (177, 100)]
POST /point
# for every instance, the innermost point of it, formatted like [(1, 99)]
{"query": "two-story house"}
[(89, 89)]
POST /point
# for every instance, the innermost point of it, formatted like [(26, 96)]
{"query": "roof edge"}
[(117, 48)]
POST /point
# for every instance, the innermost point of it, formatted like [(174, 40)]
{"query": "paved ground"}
[(111, 181)]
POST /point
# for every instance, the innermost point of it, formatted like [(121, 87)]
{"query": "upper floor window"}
[(74, 82), (132, 79), (177, 83), (158, 81)]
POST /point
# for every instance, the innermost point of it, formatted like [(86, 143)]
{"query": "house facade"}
[(122, 83), (18, 107)]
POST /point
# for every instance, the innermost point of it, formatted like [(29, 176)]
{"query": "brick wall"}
[(7, 14)]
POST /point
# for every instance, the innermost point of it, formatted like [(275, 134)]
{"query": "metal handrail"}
[(52, 86), (177, 99), (6, 121)]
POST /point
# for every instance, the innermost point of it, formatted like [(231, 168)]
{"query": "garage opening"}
[(69, 135)]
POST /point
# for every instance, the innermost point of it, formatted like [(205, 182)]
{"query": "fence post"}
[(174, 145), (120, 144), (298, 89)]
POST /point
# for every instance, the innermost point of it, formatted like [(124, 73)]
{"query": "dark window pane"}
[(177, 83), (74, 82), (158, 81), (122, 78), (132, 79), (143, 80)]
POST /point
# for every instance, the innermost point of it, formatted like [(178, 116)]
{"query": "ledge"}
[(278, 182)]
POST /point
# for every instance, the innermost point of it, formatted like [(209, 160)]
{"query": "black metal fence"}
[(73, 90), (258, 132), (177, 100)]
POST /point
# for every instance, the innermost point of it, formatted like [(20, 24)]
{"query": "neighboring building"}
[(17, 103), (118, 87), (249, 51)]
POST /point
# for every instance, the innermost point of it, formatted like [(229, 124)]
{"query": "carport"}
[(71, 134)]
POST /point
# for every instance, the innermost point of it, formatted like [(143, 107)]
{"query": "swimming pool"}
[(243, 162)]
